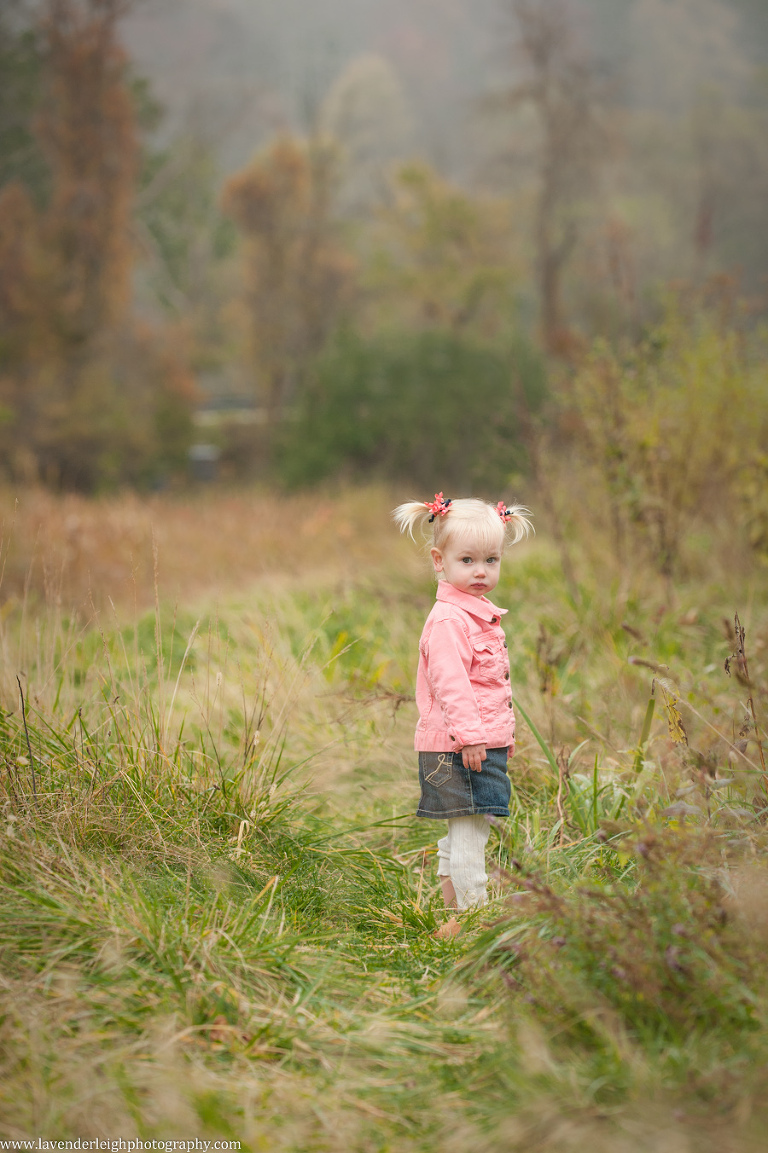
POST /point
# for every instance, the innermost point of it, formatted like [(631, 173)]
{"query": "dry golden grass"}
[(74, 551)]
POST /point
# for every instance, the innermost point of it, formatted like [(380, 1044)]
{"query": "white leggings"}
[(461, 856)]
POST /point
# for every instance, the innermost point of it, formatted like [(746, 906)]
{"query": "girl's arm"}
[(449, 659)]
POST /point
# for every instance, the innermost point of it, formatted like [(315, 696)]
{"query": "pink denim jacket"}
[(463, 692)]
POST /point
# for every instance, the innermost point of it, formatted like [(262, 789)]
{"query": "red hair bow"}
[(505, 513), (438, 506)]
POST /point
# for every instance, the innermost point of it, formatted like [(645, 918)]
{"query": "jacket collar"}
[(478, 606)]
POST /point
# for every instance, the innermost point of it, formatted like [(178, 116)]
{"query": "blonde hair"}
[(466, 519)]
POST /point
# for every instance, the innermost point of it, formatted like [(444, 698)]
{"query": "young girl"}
[(466, 728)]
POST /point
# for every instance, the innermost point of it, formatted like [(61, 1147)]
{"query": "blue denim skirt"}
[(450, 790)]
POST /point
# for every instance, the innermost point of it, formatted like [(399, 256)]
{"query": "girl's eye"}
[(466, 560), (492, 560)]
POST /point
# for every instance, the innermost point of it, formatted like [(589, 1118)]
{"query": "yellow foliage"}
[(671, 700), (669, 428), (444, 257)]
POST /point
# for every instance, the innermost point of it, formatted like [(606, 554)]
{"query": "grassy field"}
[(218, 909)]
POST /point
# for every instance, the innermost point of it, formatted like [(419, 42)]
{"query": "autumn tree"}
[(444, 258), (88, 133), (83, 392), (297, 275)]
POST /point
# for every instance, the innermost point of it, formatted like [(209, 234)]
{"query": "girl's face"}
[(467, 567)]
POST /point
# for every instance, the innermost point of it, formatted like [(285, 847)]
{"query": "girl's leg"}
[(467, 838), (444, 869), (449, 893)]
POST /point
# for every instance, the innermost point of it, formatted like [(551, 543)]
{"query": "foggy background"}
[(262, 240), (254, 67)]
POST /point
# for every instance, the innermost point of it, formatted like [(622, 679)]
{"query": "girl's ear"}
[(437, 559)]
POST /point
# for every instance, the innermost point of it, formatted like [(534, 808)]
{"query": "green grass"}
[(218, 909)]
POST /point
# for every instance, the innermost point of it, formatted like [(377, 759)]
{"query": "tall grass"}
[(218, 910), (89, 553)]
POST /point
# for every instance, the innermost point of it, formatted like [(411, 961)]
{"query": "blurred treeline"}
[(581, 313)]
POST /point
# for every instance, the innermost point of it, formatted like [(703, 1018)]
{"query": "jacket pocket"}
[(485, 662)]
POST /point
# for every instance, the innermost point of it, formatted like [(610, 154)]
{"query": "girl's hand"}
[(473, 756)]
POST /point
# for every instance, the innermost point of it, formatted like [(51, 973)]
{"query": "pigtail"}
[(409, 515), (516, 520), (464, 515)]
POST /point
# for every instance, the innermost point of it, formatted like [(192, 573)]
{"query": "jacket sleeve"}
[(449, 659)]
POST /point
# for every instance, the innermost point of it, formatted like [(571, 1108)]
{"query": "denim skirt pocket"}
[(450, 790)]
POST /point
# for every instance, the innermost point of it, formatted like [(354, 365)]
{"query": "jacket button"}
[(505, 644), (506, 676), (509, 704), (451, 737), (494, 620)]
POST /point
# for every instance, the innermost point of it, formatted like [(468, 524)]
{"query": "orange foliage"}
[(17, 259), (298, 277), (88, 133), (86, 400)]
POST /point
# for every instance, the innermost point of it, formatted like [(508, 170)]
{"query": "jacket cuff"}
[(462, 737)]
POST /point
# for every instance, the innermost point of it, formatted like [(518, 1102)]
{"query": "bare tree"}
[(562, 87)]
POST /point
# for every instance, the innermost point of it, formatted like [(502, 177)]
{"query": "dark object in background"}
[(204, 462)]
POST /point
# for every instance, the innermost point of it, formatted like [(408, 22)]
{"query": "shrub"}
[(656, 963), (672, 431), (431, 407)]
